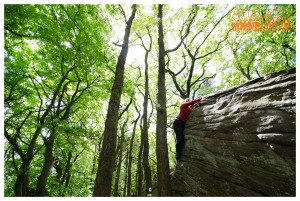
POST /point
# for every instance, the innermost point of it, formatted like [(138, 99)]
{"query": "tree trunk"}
[(140, 168), (22, 180), (163, 171), (145, 139), (67, 174), (117, 178), (48, 162), (130, 155), (107, 157), (247, 75), (97, 150), (125, 179)]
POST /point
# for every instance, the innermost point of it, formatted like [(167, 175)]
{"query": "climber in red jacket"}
[(179, 124)]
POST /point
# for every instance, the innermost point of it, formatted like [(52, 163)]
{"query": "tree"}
[(140, 173), (121, 144), (144, 138), (163, 170), (67, 93), (130, 152), (255, 53), (245, 59), (107, 155), (195, 52), (46, 76)]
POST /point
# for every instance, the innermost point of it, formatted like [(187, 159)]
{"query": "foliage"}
[(59, 65), (256, 53), (59, 51)]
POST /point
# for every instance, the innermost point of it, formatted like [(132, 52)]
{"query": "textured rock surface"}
[(241, 142)]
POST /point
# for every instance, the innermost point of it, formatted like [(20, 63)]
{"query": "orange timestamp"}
[(251, 20)]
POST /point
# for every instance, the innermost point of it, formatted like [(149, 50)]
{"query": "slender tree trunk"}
[(68, 177), (58, 169), (125, 179), (130, 155), (64, 172), (97, 150), (163, 170), (140, 168), (67, 174), (145, 139), (107, 157), (48, 162), (117, 178), (247, 75), (188, 83), (144, 134)]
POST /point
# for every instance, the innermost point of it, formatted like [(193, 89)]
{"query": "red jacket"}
[(185, 109)]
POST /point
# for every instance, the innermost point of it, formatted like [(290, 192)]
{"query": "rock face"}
[(242, 141)]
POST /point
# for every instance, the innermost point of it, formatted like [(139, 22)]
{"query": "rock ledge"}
[(242, 141)]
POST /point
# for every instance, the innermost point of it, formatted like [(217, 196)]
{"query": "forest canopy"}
[(90, 88)]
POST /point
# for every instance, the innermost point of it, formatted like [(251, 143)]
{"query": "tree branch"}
[(203, 72), (216, 49), (123, 12), (286, 58), (186, 33), (14, 144), (125, 109)]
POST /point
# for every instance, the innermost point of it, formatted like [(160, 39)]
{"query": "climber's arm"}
[(192, 102)]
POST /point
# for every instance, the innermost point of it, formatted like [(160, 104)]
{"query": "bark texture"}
[(144, 134), (107, 158), (163, 170), (242, 141), (48, 163)]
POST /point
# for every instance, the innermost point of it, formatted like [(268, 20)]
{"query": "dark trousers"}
[(179, 126)]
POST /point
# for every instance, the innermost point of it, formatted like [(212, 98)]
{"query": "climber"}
[(179, 124)]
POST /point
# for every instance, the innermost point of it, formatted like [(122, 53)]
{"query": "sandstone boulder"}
[(242, 141)]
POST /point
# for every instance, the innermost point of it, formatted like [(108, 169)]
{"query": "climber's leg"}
[(179, 126)]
